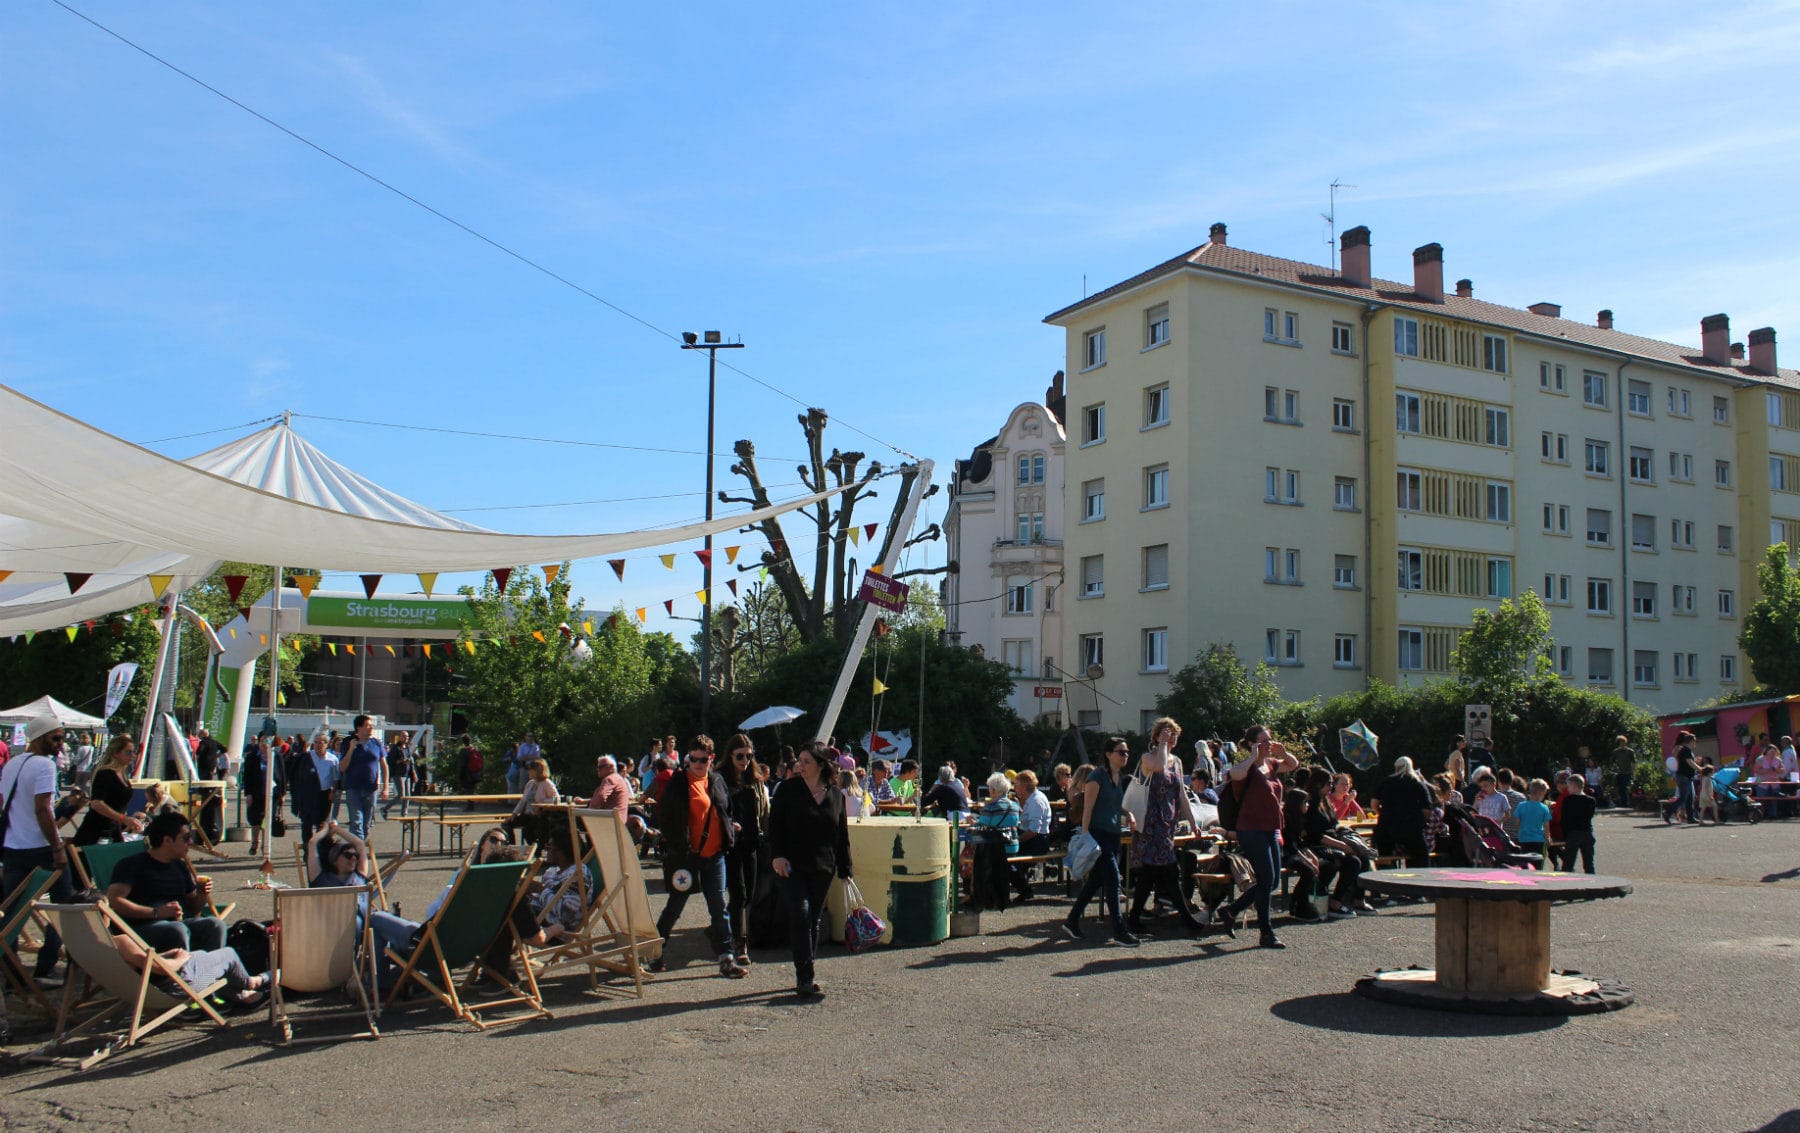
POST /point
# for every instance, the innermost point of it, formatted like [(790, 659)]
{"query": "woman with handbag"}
[(1153, 859), (1254, 780), (1102, 815), (809, 834)]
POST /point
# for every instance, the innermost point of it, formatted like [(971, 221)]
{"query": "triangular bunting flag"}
[(281, 699), (390, 650), (539, 634), (587, 627), (470, 646), (501, 575), (29, 634), (6, 574), (855, 536), (643, 613), (332, 645), (425, 648), (667, 561), (232, 630), (118, 629), (876, 567), (612, 620), (350, 649), (306, 583), (704, 556), (762, 574), (732, 582), (89, 624), (618, 566), (869, 530), (731, 553), (669, 607), (370, 582), (700, 596), (234, 585), (76, 580), (244, 610), (550, 573), (160, 583), (428, 582), (71, 631), (879, 687)]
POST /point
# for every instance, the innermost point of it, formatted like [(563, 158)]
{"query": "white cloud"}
[(377, 97)]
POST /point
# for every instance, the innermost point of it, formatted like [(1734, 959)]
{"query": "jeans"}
[(1623, 786), (402, 792), (362, 811), (1684, 797), (1263, 851), (1578, 842), (514, 774), (709, 878), (1105, 873), (205, 967), (805, 892), (195, 934), (18, 867)]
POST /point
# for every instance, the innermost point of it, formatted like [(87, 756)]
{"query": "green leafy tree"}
[(211, 599), (1505, 651), (1217, 695), (1771, 634), (74, 672)]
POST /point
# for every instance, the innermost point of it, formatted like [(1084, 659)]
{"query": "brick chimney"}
[(1354, 247), (1465, 289), (1737, 352), (1762, 349), (1604, 320), (1548, 310), (1055, 393), (1715, 339), (1428, 272), (1216, 234)]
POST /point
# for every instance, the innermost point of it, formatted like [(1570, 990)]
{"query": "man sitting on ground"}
[(155, 892)]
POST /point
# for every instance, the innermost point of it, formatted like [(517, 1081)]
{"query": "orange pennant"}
[(427, 582), (425, 647), (539, 634), (643, 613), (550, 573), (350, 649), (6, 574), (667, 561), (306, 583), (731, 553), (265, 638)]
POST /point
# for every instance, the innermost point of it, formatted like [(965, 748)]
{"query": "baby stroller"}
[(1486, 844), (1733, 801)]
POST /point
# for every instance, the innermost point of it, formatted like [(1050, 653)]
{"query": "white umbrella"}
[(772, 716)]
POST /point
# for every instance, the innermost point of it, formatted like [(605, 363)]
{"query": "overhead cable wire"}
[(210, 432), (450, 220)]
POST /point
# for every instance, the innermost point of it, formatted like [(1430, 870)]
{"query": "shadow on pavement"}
[(1788, 1122), (1784, 875), (1351, 1013)]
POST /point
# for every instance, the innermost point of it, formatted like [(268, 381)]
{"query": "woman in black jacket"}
[(1404, 802), (809, 834), (749, 816)]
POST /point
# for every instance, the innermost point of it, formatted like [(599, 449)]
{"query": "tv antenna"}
[(1330, 219)]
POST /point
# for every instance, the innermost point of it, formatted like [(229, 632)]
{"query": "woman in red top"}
[(1258, 828)]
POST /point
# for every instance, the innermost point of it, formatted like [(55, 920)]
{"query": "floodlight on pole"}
[(713, 344)]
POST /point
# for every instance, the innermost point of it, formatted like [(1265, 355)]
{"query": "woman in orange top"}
[(697, 833)]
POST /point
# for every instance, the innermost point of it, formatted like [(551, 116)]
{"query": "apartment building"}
[(1004, 530), (1332, 471)]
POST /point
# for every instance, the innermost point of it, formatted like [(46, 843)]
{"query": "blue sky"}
[(883, 203)]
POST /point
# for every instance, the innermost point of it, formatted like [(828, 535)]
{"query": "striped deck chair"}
[(150, 998), (476, 910), (617, 933), (313, 948), (15, 914)]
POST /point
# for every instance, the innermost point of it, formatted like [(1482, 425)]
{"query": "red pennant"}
[(76, 581), (704, 556), (234, 585), (669, 606), (370, 582), (118, 629), (612, 620), (244, 610), (90, 623), (618, 566), (501, 574), (732, 582), (869, 531)]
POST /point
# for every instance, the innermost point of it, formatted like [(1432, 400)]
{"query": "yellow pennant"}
[(281, 699), (158, 583), (587, 628), (390, 650), (332, 645), (856, 536), (71, 630), (427, 582), (877, 569), (538, 633), (701, 595), (232, 630), (879, 687), (305, 584), (731, 553), (550, 573), (642, 613), (667, 561), (470, 646)]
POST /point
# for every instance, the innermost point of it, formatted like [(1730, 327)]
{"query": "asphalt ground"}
[(1017, 1030)]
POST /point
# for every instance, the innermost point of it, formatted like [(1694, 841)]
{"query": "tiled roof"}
[(1236, 261)]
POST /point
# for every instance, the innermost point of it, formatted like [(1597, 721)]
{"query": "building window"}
[(1156, 650), (1600, 666), (1093, 424), (1722, 473), (1156, 326), (1497, 427), (1554, 447), (1343, 493), (1499, 502), (1018, 595), (1556, 519), (1156, 406), (1343, 415), (1281, 405), (1343, 651), (1094, 349), (1597, 457), (1412, 649), (1343, 340), (1637, 398), (1681, 533), (1599, 527), (1412, 568), (1593, 388), (1408, 481), (1643, 668), (1643, 532), (1721, 410), (1093, 576), (1017, 656), (1687, 666), (1727, 539), (1343, 572), (1681, 404), (1778, 418), (1599, 596), (1499, 578), (1728, 603), (1493, 353), (1552, 379), (1681, 467), (1156, 486), (1271, 323), (1406, 337), (1281, 646), (1728, 669), (1031, 469), (1093, 500), (1156, 567), (1406, 412), (1281, 566), (1642, 464), (1556, 589), (1778, 477), (1031, 527), (1681, 599), (1281, 486), (1643, 599), (1093, 651), (1565, 660)]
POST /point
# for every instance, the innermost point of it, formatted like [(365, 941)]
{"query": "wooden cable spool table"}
[(1493, 943)]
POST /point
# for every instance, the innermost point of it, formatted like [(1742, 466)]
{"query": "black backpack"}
[(251, 941), (1229, 803)]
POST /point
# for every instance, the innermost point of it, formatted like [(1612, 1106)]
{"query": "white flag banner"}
[(117, 683)]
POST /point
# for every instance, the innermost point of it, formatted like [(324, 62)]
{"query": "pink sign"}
[(880, 590)]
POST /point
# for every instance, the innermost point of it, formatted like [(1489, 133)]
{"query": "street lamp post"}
[(712, 344)]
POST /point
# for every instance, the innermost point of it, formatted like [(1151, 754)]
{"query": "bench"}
[(409, 831), (455, 824), (1041, 860)]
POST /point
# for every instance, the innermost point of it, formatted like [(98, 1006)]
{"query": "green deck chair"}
[(477, 909), (15, 914), (95, 863)]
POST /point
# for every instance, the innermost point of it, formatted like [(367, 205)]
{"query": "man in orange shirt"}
[(694, 812)]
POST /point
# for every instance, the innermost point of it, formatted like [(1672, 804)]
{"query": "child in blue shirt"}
[(1532, 816)]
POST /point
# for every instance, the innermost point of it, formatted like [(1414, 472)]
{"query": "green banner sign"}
[(444, 615)]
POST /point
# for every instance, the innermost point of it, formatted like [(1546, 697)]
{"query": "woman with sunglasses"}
[(694, 812), (809, 834), (106, 820), (750, 820), (1102, 815)]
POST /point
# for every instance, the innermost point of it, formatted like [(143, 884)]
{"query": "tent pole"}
[(147, 732), (274, 703), (362, 679)]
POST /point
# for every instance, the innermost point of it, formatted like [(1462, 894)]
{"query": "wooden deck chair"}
[(213, 908), (87, 935), (94, 864), (15, 914), (476, 910), (617, 934), (314, 948)]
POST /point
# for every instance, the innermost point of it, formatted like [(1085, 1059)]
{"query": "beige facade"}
[(1332, 471)]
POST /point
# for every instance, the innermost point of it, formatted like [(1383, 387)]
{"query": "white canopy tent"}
[(66, 716)]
